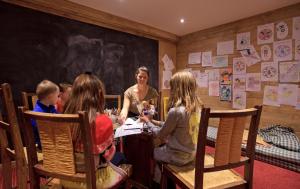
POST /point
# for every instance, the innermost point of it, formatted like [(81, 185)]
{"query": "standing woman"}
[(136, 94)]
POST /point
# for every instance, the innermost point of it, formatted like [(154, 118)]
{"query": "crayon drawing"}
[(265, 33), (271, 96), (239, 83), (253, 82), (269, 71), (239, 65), (239, 100)]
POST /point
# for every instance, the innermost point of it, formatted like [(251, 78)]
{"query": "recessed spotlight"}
[(181, 20)]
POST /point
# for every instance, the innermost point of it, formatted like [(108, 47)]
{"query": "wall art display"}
[(271, 96), (239, 100), (265, 52), (220, 61), (239, 83), (206, 58), (288, 94), (225, 92), (226, 76), (269, 71), (282, 30), (194, 58), (265, 33), (289, 71), (239, 65), (242, 40), (250, 55), (296, 27), (213, 88), (282, 50), (253, 82)]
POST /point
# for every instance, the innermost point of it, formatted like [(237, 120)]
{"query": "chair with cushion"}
[(215, 170), (58, 153), (13, 159), (29, 100)]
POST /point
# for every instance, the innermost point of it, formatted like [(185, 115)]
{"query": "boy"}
[(47, 93)]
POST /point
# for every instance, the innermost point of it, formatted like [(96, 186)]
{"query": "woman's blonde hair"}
[(183, 92), (87, 95)]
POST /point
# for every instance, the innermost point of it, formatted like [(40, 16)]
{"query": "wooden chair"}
[(216, 171), (58, 153), (29, 100), (114, 97), (165, 107), (8, 154)]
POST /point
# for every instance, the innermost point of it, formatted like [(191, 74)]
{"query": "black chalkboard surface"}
[(36, 46)]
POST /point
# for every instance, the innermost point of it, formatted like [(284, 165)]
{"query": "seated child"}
[(47, 93), (65, 91)]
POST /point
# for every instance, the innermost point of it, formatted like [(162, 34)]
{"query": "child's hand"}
[(144, 118)]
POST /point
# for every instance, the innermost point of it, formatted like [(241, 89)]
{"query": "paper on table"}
[(130, 127)]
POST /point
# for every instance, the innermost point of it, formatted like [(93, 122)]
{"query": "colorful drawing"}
[(226, 76), (239, 100), (282, 50), (271, 96), (282, 30), (203, 80), (166, 79), (225, 92), (269, 71), (220, 61), (288, 94), (296, 27), (250, 55), (265, 52), (225, 47), (207, 59), (265, 33), (213, 88), (239, 65), (239, 83), (242, 40), (289, 71), (297, 49), (253, 82)]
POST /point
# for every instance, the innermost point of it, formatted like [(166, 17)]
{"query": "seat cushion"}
[(218, 179)]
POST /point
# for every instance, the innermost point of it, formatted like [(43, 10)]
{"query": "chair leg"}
[(163, 181)]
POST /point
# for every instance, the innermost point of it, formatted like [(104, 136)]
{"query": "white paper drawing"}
[(298, 100), (288, 94), (271, 96), (195, 58), (166, 79), (265, 33), (296, 27), (220, 61), (213, 75), (253, 82), (282, 30), (225, 47), (239, 100), (269, 71), (213, 88), (206, 58), (239, 65), (197, 74), (239, 82), (289, 71), (265, 52), (282, 50), (250, 55), (297, 49), (242, 40), (203, 80), (168, 63)]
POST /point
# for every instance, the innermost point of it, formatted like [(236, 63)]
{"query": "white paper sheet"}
[(282, 50), (282, 30), (288, 94), (265, 52), (213, 88), (289, 71), (271, 96), (194, 58), (242, 40), (130, 127), (168, 63), (250, 55), (206, 58), (166, 79), (220, 61), (213, 75), (239, 100), (269, 71), (239, 65), (225, 47), (296, 27), (265, 33), (203, 80), (253, 82)]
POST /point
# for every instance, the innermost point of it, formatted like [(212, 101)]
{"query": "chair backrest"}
[(228, 142), (57, 147), (29, 100), (114, 97), (10, 125)]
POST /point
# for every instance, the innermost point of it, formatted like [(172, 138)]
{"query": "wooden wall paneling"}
[(206, 40)]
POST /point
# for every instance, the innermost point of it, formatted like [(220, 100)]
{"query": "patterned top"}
[(135, 102)]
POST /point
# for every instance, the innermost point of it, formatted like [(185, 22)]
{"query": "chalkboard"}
[(36, 46)]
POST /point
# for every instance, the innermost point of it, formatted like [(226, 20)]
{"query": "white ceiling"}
[(198, 14)]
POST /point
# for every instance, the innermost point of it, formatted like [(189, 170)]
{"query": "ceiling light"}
[(181, 20)]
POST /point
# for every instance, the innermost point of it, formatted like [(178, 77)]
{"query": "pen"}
[(132, 129)]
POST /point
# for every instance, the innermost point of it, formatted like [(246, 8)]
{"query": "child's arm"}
[(169, 125)]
